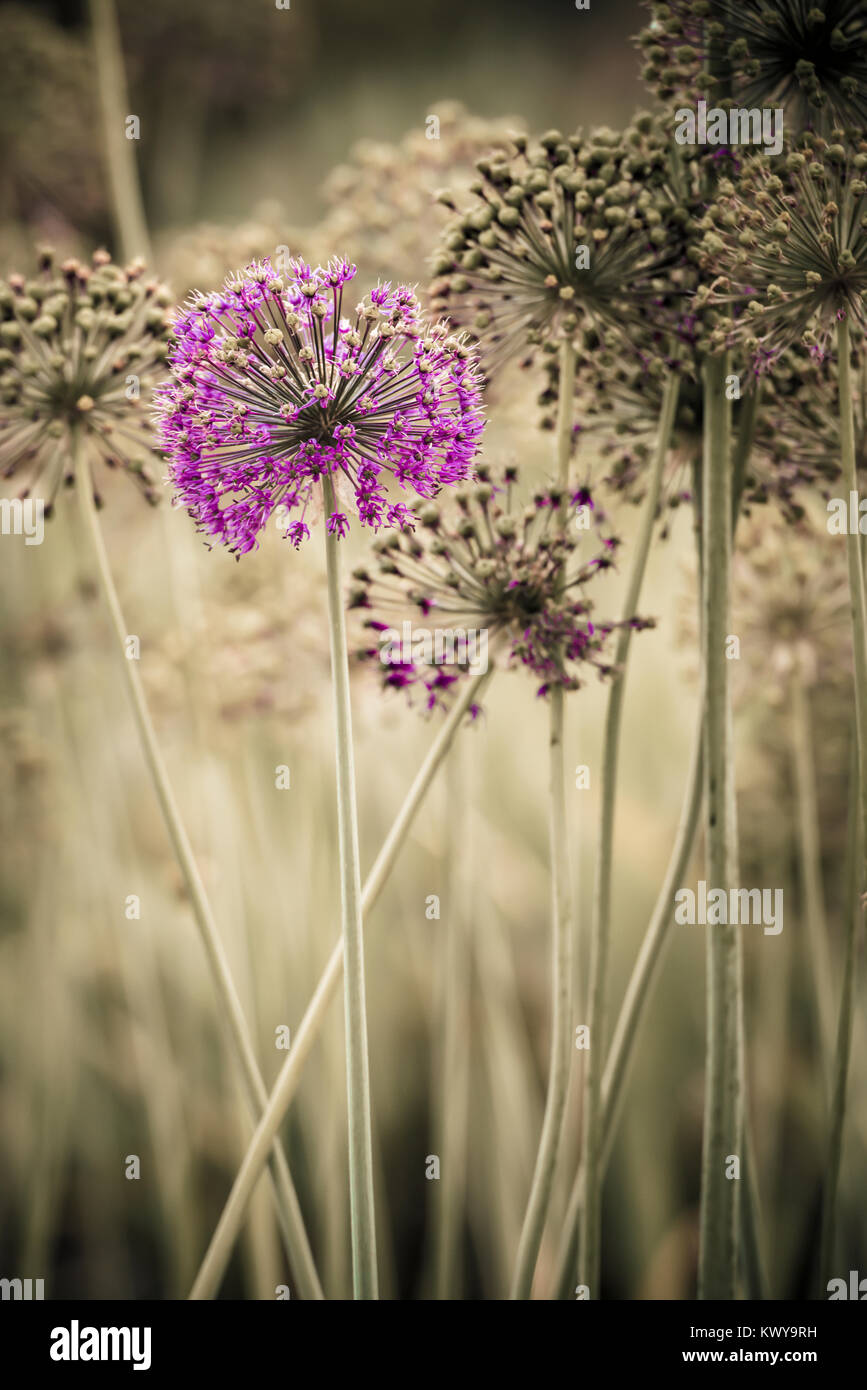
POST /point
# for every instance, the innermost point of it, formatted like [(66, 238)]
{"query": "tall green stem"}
[(840, 1075), (723, 1115), (227, 1229), (857, 600), (810, 863), (130, 224), (646, 967), (591, 1217), (364, 1271), (291, 1220), (743, 447), (644, 973), (858, 605), (561, 1014), (561, 907), (452, 1076)]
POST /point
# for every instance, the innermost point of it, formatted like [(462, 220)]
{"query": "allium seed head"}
[(798, 444), (273, 388), (564, 237), (810, 59), (790, 239), (80, 349)]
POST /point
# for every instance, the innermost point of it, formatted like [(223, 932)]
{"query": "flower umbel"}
[(490, 567), (810, 59), (273, 389), (562, 239), (792, 247), (80, 349)]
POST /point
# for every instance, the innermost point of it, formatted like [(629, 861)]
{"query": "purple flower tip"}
[(273, 388)]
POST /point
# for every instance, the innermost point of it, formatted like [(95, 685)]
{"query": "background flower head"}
[(80, 349), (798, 444), (810, 59), (382, 203), (273, 388), (790, 240)]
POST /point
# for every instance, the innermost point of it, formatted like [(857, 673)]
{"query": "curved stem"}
[(362, 1219), (646, 967), (129, 217), (226, 1233), (634, 1001), (561, 1014), (859, 645), (755, 1274), (858, 604), (452, 1056), (810, 862), (723, 1116), (291, 1220), (589, 1256), (840, 1076)]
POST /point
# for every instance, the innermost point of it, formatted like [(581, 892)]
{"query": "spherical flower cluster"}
[(489, 568), (274, 389), (789, 239), (798, 443), (563, 238), (810, 59), (80, 349)]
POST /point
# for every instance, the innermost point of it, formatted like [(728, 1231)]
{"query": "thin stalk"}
[(362, 1218), (723, 1116), (127, 206), (453, 1052), (591, 1156), (748, 1204), (565, 421), (837, 1111), (618, 1062), (559, 1065), (856, 574), (810, 863), (644, 973), (756, 1286), (859, 812), (227, 1229), (289, 1212), (743, 447), (755, 1271), (561, 1014)]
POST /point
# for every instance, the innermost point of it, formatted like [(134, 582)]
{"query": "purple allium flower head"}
[(486, 567), (273, 388)]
